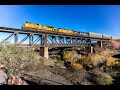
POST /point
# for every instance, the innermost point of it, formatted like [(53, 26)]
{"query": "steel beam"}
[(24, 39), (38, 39), (7, 38)]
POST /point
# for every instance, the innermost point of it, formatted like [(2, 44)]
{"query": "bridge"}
[(51, 40)]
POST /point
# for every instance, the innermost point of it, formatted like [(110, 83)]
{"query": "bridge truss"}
[(48, 39)]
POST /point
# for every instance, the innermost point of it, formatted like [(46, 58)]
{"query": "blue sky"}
[(104, 19)]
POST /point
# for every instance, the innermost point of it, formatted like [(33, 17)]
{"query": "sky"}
[(103, 19)]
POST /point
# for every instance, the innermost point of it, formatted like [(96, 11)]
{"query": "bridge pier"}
[(44, 52), (100, 43), (89, 49)]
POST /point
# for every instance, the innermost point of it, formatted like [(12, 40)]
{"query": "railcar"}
[(94, 35), (106, 36), (37, 27), (49, 28), (29, 25), (65, 31), (83, 34)]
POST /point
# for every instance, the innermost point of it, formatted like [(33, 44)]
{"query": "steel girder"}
[(50, 40)]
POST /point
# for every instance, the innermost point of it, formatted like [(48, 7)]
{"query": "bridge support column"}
[(16, 38), (89, 49), (44, 52), (100, 43)]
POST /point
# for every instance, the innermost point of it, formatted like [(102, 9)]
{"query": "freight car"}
[(94, 35), (83, 34), (106, 36)]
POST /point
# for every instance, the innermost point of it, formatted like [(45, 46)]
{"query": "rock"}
[(3, 77), (15, 80)]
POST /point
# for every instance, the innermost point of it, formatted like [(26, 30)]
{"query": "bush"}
[(68, 56), (93, 60), (77, 66), (71, 56), (100, 78), (60, 64), (110, 61), (118, 40), (77, 77), (14, 57), (58, 57)]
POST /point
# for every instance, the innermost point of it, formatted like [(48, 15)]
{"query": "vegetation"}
[(98, 69), (60, 64), (118, 40), (68, 56), (14, 58), (101, 78), (77, 66)]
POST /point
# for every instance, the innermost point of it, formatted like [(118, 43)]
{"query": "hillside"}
[(69, 67)]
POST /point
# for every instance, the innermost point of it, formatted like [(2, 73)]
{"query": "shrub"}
[(110, 61), (58, 57), (71, 56), (77, 77), (93, 60), (77, 66), (118, 40), (60, 64), (100, 78), (68, 57), (13, 57)]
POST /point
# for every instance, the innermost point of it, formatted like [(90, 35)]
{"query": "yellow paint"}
[(66, 31)]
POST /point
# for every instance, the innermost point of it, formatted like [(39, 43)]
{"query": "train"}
[(45, 28)]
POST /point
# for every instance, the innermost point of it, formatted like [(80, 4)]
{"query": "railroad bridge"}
[(51, 40)]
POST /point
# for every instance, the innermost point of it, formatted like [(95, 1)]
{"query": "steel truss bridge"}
[(48, 39)]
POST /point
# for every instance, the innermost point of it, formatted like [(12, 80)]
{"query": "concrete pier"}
[(100, 43), (89, 49), (44, 52)]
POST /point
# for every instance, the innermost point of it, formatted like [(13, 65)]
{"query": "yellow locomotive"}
[(49, 28), (65, 31), (28, 25), (37, 27)]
